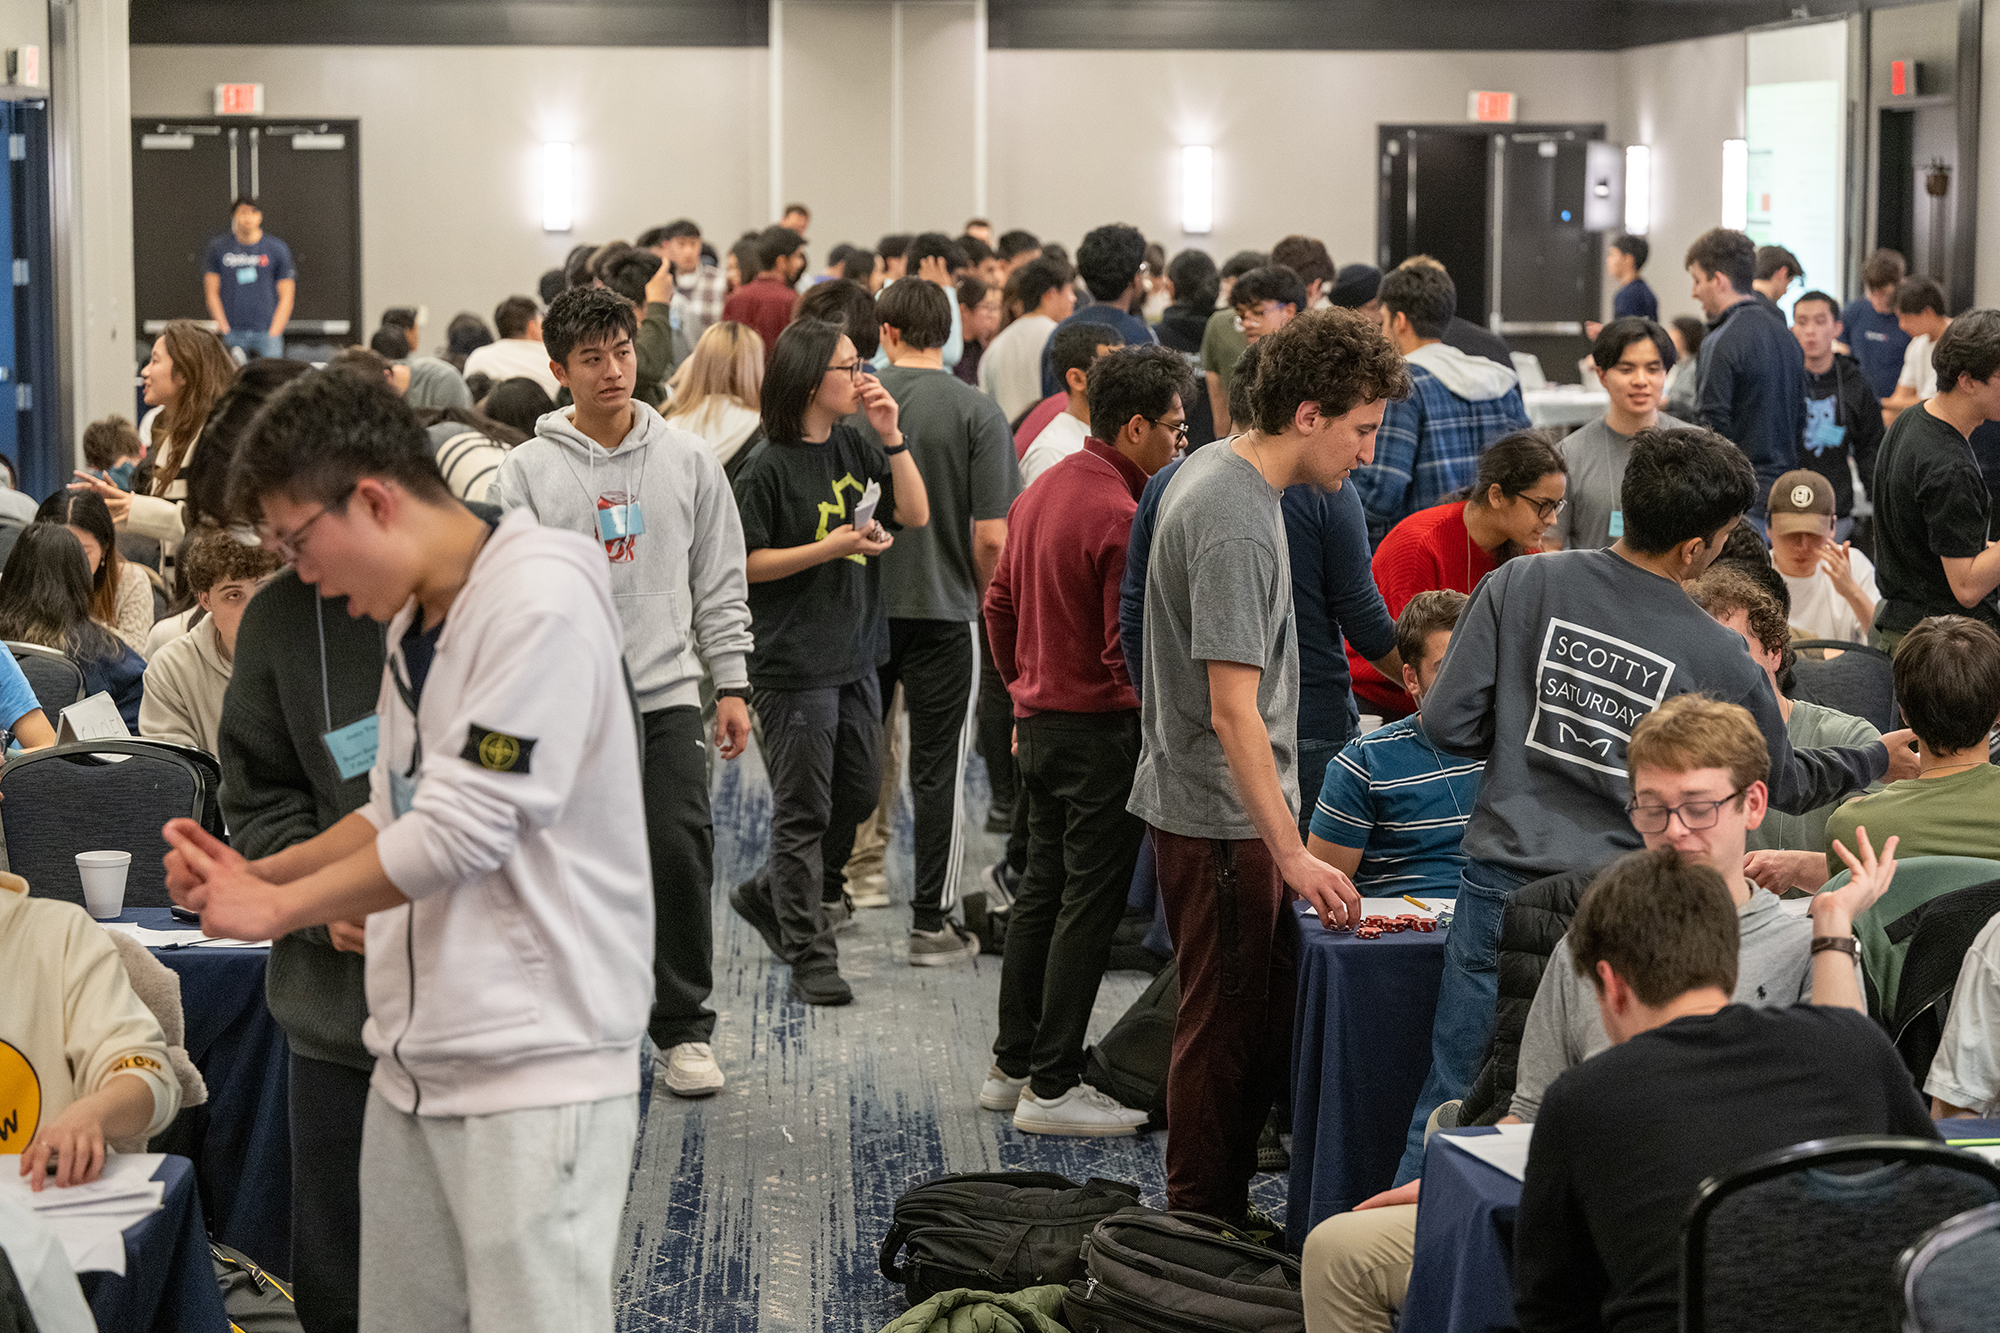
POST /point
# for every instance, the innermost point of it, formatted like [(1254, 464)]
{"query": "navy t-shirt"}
[(250, 275), (1635, 298), (1878, 343)]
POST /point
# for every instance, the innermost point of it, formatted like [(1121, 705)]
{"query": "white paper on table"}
[(1990, 1151), (160, 939), (90, 1220), (1506, 1151), (1404, 907)]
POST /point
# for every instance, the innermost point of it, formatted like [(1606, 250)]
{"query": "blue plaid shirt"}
[(1428, 447)]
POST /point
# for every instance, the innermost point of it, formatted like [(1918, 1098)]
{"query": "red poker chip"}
[(1368, 933)]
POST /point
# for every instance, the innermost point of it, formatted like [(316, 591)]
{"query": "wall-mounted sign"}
[(239, 99), (1490, 107)]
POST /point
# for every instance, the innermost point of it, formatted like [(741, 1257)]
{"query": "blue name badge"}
[(1617, 523), (402, 794), (352, 747), (621, 521), (245, 276)]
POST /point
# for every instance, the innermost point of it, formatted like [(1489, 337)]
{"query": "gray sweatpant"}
[(493, 1222)]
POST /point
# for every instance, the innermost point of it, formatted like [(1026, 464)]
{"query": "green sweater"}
[(280, 787)]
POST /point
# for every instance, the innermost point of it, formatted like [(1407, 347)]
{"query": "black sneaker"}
[(822, 985), (753, 905), (1271, 1154), (1262, 1229)]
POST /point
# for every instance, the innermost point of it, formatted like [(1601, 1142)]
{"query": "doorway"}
[(1915, 140), (1502, 208), (306, 175)]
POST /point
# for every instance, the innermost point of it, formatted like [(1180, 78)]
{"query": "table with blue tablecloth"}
[(1361, 1049), (1462, 1280), (169, 1281), (241, 1141)]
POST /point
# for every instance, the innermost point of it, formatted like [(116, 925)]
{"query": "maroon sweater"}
[(1052, 607)]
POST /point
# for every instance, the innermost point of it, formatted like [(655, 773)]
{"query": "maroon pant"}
[(1236, 940)]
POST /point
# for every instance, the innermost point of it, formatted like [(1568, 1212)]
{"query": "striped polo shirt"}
[(1405, 804)]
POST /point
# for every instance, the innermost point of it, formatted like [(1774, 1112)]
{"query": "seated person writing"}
[(1392, 810), (187, 678), (82, 1061), (1948, 685), (1832, 585), (1697, 770), (1785, 851), (1692, 1087)]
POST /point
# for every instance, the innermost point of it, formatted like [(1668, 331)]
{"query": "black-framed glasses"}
[(1179, 428), (1693, 814), (854, 370), (1546, 510)]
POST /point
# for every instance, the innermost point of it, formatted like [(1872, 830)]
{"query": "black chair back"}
[(77, 798), (1951, 1278), (1940, 931), (1807, 1238), (56, 679), (1860, 681)]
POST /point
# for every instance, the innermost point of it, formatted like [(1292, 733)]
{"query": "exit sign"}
[(1490, 106), (1906, 78), (239, 99)]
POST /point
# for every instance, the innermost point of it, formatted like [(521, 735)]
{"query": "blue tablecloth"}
[(1361, 1048), (241, 1141), (169, 1282), (1462, 1280)]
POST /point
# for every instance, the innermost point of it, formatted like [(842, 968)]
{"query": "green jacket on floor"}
[(1034, 1310)]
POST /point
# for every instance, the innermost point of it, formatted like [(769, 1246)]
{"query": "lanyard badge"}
[(352, 747)]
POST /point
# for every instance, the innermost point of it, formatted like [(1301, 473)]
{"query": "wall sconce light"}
[(557, 192), (1638, 189), (1197, 189), (1735, 183)]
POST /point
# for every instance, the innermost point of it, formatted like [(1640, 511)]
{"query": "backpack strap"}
[(891, 1243)]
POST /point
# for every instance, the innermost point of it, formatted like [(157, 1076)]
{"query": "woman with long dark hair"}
[(121, 596), (189, 370), (1520, 490), (45, 599), (816, 612)]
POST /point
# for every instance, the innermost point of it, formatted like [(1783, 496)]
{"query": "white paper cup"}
[(103, 876), (1370, 722)]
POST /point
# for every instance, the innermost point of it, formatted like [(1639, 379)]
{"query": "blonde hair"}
[(1693, 731), (728, 362)]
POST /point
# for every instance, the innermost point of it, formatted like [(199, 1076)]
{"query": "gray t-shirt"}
[(1810, 727), (961, 444), (1773, 967), (1596, 456), (1218, 589)]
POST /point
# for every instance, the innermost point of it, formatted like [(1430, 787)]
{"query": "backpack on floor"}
[(1130, 1063), (255, 1301), (1148, 1272), (998, 1233)]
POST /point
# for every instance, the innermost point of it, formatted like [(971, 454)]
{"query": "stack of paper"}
[(178, 939), (90, 1220), (1506, 1151)]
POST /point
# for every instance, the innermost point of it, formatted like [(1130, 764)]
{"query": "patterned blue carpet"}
[(762, 1210)]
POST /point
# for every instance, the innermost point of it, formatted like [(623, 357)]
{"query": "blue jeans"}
[(256, 343), (1314, 756), (1467, 997)]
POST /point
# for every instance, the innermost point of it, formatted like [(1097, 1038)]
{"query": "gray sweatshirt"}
[(679, 585), (1773, 967), (1552, 664)]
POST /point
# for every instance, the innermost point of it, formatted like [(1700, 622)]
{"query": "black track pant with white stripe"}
[(937, 662)]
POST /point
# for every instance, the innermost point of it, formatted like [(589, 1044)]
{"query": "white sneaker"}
[(868, 890), (692, 1071), (1000, 1093), (1082, 1112)]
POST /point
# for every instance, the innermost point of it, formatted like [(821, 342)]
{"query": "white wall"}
[(88, 78), (1684, 99), (1986, 284), (450, 149)]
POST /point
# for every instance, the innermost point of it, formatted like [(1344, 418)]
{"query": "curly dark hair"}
[(1682, 484), (1727, 253), (1129, 382), (1336, 358), (1109, 260)]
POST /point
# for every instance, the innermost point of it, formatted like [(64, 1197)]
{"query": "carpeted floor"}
[(762, 1210)]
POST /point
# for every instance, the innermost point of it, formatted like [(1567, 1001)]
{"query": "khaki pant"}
[(1357, 1269), (871, 838)]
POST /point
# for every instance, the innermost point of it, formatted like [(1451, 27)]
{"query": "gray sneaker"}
[(937, 948), (839, 913)]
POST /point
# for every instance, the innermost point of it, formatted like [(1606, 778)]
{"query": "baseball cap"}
[(1801, 501), (1355, 285)]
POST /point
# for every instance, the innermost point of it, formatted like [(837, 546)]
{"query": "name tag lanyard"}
[(619, 521), (352, 747)]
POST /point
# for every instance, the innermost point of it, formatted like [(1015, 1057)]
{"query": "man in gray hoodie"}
[(658, 500)]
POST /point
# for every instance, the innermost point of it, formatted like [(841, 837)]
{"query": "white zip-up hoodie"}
[(520, 974)]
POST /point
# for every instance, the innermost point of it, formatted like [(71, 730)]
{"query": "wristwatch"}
[(1846, 944), (733, 692), (899, 449)]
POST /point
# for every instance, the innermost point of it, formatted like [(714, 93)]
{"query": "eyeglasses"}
[(1545, 510), (291, 545), (854, 370), (1693, 814), (1179, 428)]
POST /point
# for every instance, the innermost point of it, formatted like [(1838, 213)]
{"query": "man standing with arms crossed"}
[(1216, 779), (248, 283)]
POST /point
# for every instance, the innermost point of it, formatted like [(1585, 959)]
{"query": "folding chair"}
[(1951, 1278), (56, 680)]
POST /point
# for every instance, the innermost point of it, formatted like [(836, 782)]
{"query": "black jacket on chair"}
[(1537, 916)]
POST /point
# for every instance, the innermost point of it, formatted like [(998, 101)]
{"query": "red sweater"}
[(765, 304), (1052, 607), (1429, 549)]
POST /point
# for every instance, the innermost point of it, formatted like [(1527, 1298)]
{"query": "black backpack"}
[(1130, 1062), (1151, 1272), (255, 1301), (998, 1233)]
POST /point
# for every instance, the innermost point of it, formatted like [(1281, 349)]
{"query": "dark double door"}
[(306, 176)]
